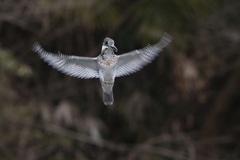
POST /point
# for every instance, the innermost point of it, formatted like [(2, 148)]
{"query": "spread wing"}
[(133, 61), (80, 67)]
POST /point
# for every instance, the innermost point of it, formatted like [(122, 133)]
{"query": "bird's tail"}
[(108, 98)]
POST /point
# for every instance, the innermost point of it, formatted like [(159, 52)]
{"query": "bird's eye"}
[(106, 43)]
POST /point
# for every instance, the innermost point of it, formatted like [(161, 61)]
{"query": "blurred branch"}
[(148, 145), (138, 150), (144, 149)]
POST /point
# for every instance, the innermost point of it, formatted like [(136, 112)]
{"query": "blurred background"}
[(184, 105)]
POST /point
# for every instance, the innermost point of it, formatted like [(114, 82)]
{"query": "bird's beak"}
[(114, 48)]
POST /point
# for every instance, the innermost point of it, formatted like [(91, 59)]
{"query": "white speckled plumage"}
[(107, 65)]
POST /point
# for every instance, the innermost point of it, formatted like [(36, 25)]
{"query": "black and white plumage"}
[(107, 65)]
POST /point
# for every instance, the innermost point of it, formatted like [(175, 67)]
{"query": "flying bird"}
[(107, 66)]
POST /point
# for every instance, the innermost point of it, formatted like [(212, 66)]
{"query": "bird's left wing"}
[(80, 67), (133, 61)]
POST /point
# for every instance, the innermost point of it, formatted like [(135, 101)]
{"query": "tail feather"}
[(108, 98)]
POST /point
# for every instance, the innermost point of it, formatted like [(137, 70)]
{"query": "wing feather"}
[(80, 67), (133, 61)]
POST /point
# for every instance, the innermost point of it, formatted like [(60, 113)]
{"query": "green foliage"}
[(8, 63)]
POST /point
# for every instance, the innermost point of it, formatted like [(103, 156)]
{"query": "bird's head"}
[(108, 42)]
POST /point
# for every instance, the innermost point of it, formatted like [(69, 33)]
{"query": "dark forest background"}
[(185, 105)]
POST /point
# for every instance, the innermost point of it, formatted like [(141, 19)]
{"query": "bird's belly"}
[(107, 75)]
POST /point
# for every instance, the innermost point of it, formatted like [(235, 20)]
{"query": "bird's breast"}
[(107, 69), (108, 61)]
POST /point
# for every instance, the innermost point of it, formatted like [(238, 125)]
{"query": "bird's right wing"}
[(80, 67), (133, 61)]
